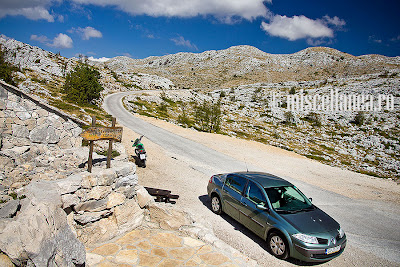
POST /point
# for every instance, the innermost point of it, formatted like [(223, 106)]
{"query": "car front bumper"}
[(316, 254)]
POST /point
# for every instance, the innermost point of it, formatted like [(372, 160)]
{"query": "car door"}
[(232, 194), (250, 216)]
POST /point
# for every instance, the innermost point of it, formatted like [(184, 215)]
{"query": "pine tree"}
[(82, 85)]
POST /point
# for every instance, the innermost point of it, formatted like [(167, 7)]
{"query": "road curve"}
[(371, 226)]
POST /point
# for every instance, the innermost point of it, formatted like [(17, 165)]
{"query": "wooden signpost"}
[(94, 133)]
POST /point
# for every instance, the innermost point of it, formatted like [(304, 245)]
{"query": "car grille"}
[(322, 241)]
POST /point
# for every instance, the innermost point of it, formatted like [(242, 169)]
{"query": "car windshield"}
[(288, 199)]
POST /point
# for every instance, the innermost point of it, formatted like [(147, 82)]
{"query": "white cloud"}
[(180, 41), (102, 59), (296, 27), (87, 33), (60, 41), (374, 39), (395, 39), (31, 9), (41, 39), (336, 21), (35, 13), (224, 10)]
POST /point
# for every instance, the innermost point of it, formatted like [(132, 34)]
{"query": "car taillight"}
[(211, 179)]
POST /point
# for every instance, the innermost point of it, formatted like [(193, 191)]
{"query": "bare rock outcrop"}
[(40, 235)]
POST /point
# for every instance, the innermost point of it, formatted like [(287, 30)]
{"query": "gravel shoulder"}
[(168, 171)]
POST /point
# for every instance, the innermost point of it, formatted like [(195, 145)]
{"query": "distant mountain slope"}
[(245, 64)]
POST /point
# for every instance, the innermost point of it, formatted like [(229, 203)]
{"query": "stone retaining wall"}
[(26, 120)]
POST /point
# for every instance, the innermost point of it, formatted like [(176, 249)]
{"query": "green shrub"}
[(6, 69), (184, 118), (359, 119), (313, 118), (114, 153), (82, 85), (208, 116)]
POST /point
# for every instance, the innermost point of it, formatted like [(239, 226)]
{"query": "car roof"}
[(265, 179)]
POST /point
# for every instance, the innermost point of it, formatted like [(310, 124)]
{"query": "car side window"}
[(237, 183), (254, 193)]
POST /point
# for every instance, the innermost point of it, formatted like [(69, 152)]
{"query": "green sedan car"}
[(279, 213)]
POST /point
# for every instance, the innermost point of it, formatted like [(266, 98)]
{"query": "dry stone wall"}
[(25, 120), (30, 128)]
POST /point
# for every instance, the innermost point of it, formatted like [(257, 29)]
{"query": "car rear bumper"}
[(316, 255)]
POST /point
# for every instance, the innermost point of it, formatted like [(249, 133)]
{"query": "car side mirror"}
[(310, 199), (262, 207)]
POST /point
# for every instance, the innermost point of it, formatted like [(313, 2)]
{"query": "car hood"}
[(314, 221)]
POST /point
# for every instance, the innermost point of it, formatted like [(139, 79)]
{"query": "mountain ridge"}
[(244, 64)]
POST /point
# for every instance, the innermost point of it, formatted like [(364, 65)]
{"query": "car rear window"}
[(237, 183)]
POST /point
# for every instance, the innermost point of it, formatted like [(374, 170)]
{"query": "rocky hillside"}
[(243, 79), (240, 65), (42, 73), (362, 141)]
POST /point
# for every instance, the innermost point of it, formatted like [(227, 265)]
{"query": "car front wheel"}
[(277, 245), (216, 205)]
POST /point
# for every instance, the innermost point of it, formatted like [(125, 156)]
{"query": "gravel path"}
[(367, 208)]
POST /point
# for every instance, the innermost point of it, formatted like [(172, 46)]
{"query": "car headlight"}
[(341, 232), (306, 238)]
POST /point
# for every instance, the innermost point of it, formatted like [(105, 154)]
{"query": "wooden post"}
[(110, 145), (91, 145)]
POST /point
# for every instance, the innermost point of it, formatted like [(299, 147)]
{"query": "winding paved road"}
[(371, 226)]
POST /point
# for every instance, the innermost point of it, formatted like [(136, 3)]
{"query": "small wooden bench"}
[(162, 195)]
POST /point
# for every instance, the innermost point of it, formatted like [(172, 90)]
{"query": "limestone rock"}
[(89, 180), (92, 205), (124, 168), (45, 192), (99, 192), (5, 261), (40, 234), (15, 152), (69, 184), (128, 216), (143, 197), (9, 210), (100, 231), (20, 131), (88, 217), (69, 200), (115, 199), (128, 191), (44, 134), (106, 177), (168, 219), (129, 180)]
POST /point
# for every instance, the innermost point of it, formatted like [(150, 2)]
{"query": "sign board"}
[(102, 133)]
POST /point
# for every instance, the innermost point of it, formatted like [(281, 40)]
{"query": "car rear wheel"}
[(277, 245), (216, 205)]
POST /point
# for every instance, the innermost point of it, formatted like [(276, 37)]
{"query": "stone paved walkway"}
[(160, 248)]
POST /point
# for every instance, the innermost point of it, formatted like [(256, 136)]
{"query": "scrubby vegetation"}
[(82, 85), (6, 69)]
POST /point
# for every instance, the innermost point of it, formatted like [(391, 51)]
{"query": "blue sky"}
[(142, 28)]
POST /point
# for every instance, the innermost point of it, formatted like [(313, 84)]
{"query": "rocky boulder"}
[(39, 235)]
